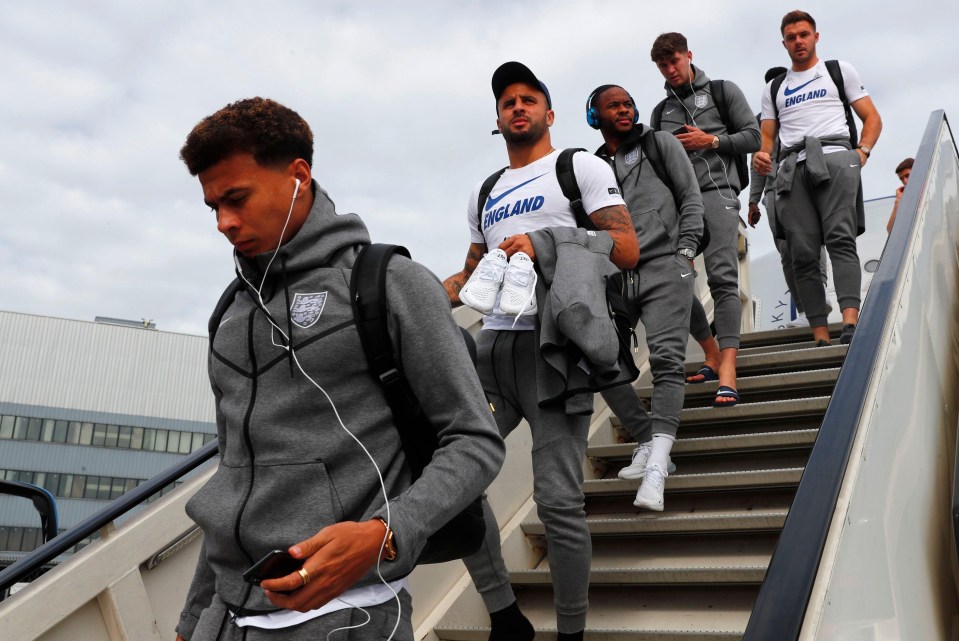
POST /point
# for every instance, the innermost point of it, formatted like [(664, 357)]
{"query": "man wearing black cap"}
[(527, 198)]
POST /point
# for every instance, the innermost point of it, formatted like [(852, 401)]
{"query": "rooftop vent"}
[(143, 323)]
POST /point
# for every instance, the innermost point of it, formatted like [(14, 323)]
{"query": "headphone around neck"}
[(592, 114)]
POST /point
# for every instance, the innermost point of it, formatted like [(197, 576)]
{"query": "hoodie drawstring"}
[(289, 315)]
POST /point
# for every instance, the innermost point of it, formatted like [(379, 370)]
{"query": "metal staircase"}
[(694, 570)]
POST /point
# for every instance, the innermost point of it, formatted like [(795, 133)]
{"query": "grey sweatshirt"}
[(287, 468), (660, 228), (740, 137)]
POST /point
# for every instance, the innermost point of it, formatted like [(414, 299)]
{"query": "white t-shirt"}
[(809, 104), (530, 198)]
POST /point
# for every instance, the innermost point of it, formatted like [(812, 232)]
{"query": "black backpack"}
[(717, 90), (463, 535), (835, 72), (615, 285)]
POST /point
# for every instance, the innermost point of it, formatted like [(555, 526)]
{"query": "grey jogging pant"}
[(506, 362), (722, 271), (814, 215), (664, 296), (785, 257)]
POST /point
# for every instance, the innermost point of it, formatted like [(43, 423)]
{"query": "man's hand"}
[(336, 557), (862, 157), (518, 243), (695, 139), (762, 163), (899, 193), (754, 214)]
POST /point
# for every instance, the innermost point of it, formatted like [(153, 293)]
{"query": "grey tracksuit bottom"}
[(785, 256), (506, 362), (812, 216), (215, 624), (722, 271), (662, 302)]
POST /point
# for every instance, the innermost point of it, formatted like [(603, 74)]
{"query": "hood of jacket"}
[(700, 81)]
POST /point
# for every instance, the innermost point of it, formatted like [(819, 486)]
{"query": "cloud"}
[(101, 218)]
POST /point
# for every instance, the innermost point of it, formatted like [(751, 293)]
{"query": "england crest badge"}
[(306, 308), (632, 156), (701, 100)]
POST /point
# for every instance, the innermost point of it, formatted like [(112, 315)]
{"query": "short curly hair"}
[(272, 133), (796, 16), (666, 44)]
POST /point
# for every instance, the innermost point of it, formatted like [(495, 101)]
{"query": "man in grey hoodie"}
[(662, 195), (692, 113), (308, 449)]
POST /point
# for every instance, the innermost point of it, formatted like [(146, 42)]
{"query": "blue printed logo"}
[(788, 92), (490, 201)]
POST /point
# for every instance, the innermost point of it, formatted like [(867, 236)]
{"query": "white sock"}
[(662, 444)]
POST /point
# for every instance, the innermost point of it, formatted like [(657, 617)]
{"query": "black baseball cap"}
[(512, 72)]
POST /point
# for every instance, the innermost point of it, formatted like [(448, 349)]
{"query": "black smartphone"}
[(272, 566), (681, 130)]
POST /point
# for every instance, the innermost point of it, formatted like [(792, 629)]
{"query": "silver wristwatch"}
[(688, 254)]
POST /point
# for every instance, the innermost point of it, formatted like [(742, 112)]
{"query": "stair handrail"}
[(62, 543), (784, 596)]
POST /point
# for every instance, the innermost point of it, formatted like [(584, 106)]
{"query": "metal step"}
[(753, 412), (764, 519), (676, 575), (764, 387), (700, 482), (784, 336), (783, 361), (659, 613), (735, 443)]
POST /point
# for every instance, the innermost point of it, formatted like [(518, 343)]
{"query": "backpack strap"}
[(368, 298), (654, 154), (835, 72), (567, 183), (656, 121), (774, 92), (717, 88), (484, 193)]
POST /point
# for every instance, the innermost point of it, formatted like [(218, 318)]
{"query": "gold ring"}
[(304, 575)]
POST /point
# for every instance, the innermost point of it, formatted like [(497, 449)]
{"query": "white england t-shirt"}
[(809, 104), (530, 198)]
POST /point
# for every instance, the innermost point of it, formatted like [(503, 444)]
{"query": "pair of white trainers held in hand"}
[(512, 281)]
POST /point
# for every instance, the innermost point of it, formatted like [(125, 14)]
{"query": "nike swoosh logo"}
[(684, 275), (671, 111), (853, 165), (788, 92), (490, 201), (731, 207)]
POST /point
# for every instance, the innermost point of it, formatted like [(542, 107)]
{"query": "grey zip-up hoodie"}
[(660, 228), (287, 468), (741, 137)]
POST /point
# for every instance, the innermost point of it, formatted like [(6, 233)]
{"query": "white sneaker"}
[(484, 283), (650, 494), (519, 286), (799, 321), (637, 469)]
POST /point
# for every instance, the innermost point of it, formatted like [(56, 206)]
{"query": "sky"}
[(100, 218)]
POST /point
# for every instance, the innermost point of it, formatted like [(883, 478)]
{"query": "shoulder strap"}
[(657, 120), (654, 154), (835, 72), (718, 91), (226, 299), (774, 92), (484, 193), (567, 182)]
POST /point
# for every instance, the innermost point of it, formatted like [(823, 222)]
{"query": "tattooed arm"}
[(455, 283), (617, 222)]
